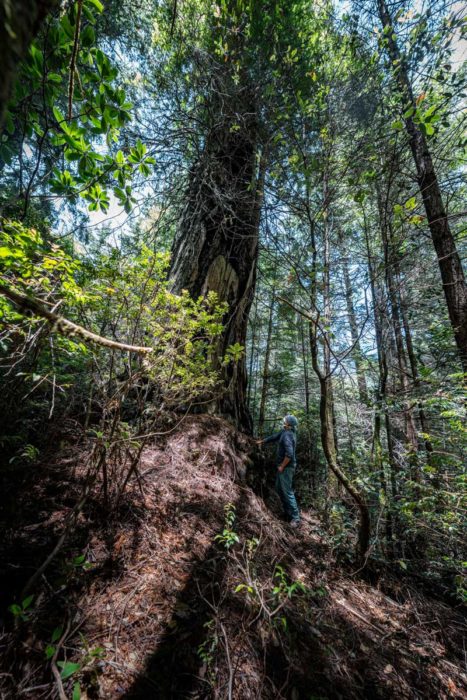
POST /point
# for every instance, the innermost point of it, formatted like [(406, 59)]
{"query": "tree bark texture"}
[(267, 356), (381, 404), (410, 428), (354, 333), (452, 274), (216, 247), (19, 23)]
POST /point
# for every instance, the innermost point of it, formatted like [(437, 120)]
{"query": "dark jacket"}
[(286, 440)]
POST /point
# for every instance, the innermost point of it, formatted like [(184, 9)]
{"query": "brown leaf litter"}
[(162, 609)]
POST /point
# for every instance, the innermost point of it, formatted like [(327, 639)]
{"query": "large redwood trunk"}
[(19, 23), (216, 247)]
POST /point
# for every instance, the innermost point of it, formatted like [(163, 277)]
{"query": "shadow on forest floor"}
[(157, 611)]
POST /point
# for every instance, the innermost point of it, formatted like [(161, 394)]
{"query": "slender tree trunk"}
[(381, 407), (354, 334), (327, 441), (327, 422), (264, 388), (413, 361), (347, 421), (326, 320), (452, 274), (254, 324), (410, 428), (306, 379)]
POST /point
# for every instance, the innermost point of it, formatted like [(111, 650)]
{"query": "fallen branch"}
[(64, 326)]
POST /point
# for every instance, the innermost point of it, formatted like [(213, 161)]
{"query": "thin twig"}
[(74, 54), (55, 671), (231, 673)]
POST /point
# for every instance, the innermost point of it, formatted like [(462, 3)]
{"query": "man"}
[(286, 439)]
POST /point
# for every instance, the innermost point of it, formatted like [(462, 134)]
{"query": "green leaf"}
[(427, 129), (49, 651), (6, 252), (54, 77), (15, 609), (37, 56), (68, 668), (88, 36), (397, 125), (9, 124), (56, 634), (58, 115), (429, 114), (97, 4), (76, 692), (27, 602)]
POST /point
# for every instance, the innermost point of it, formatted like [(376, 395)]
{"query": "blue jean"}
[(286, 494)]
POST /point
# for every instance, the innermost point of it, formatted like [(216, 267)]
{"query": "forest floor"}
[(160, 608)]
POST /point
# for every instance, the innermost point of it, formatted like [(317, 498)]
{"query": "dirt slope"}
[(160, 608)]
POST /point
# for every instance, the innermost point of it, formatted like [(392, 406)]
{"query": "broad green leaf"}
[(97, 4), (68, 668), (88, 36), (56, 634), (27, 602), (58, 115)]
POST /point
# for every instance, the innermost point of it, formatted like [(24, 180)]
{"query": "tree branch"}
[(64, 326)]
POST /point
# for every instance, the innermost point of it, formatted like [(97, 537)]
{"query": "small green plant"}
[(29, 453), (207, 649), (51, 648), (228, 537), (234, 353), (90, 655), (251, 546), (80, 562), (283, 587), (22, 612)]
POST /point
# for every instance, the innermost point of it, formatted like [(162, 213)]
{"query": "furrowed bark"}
[(216, 247), (264, 388), (357, 355), (19, 23)]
